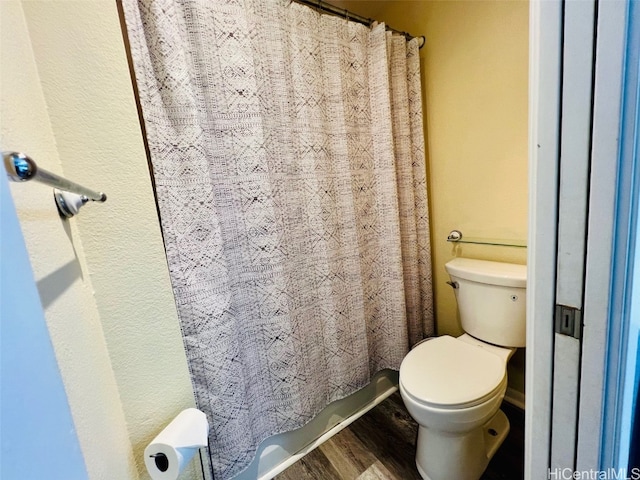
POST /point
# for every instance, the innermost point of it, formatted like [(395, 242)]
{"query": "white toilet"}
[(453, 387)]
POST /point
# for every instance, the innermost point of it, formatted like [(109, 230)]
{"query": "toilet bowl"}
[(453, 387)]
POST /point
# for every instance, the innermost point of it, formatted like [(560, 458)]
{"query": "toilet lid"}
[(447, 372)]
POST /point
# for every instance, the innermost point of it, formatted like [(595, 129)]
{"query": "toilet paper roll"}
[(170, 452)]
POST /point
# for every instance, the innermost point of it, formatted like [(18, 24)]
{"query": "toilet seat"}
[(448, 373)]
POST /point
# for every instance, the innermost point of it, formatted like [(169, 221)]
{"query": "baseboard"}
[(514, 397)]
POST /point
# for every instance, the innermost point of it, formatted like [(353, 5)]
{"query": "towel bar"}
[(21, 168)]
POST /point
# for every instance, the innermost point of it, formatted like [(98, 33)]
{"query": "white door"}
[(577, 56), (37, 435), (578, 32)]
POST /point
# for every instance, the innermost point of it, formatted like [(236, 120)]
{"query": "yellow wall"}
[(475, 87), (102, 276)]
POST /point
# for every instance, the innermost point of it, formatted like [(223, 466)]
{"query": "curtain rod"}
[(341, 12)]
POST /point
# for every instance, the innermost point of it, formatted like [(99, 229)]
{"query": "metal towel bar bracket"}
[(69, 196)]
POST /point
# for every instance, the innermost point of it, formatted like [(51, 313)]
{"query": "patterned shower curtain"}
[(288, 158)]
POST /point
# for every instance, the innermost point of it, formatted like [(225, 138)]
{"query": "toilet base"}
[(447, 456)]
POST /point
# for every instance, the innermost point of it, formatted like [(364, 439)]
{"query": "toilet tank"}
[(491, 299)]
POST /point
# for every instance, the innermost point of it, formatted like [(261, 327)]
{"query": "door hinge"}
[(568, 321)]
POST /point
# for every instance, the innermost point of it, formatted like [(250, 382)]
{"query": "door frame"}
[(545, 28), (621, 386), (593, 450)]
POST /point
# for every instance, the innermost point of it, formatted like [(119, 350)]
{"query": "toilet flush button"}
[(514, 298)]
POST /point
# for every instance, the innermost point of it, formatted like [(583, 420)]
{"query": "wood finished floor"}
[(381, 446)]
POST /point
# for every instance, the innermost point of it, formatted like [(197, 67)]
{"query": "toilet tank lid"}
[(484, 271)]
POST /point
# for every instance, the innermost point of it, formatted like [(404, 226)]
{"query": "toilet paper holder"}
[(162, 461), (173, 448)]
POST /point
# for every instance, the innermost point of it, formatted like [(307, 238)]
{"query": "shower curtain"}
[(288, 158)]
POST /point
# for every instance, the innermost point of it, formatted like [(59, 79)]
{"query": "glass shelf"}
[(491, 241)]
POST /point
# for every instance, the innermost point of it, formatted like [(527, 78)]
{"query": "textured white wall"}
[(112, 316), (59, 265)]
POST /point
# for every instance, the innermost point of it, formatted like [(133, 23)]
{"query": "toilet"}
[(453, 387)]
